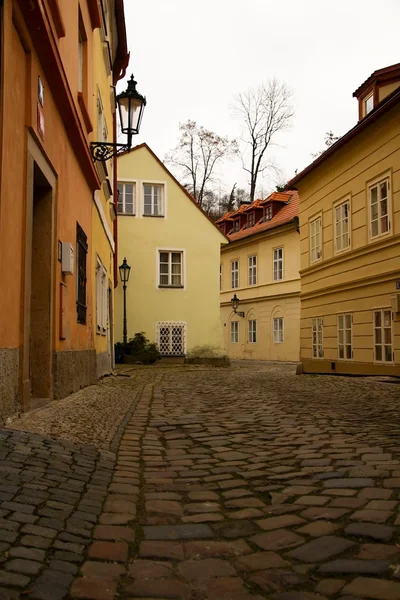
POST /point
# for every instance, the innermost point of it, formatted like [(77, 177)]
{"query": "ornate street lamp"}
[(130, 107), (235, 304), (124, 272)]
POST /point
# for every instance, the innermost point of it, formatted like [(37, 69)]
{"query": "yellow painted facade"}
[(264, 302), (180, 314), (350, 319), (103, 247)]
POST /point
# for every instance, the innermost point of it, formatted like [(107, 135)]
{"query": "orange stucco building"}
[(48, 183)]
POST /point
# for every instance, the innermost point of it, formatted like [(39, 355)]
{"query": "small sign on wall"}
[(40, 92), (40, 120)]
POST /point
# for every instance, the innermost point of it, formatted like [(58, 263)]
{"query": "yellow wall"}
[(265, 300), (102, 225), (183, 227), (364, 277)]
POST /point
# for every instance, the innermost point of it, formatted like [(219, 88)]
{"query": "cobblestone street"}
[(196, 483)]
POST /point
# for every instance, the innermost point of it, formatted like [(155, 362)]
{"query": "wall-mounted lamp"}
[(130, 106), (235, 303)]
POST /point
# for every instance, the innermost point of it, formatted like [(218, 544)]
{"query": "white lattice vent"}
[(171, 338)]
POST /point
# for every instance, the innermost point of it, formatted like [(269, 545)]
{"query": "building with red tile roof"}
[(260, 270)]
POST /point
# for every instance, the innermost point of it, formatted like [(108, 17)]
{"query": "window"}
[(251, 219), (278, 264), (153, 200), (235, 273), (82, 249), (268, 213), (345, 324), (220, 277), (101, 298), (171, 338), (383, 335), (317, 338), (171, 269), (102, 131), (236, 225), (368, 104), (252, 331), (342, 226), (234, 332), (126, 198), (82, 57), (379, 207), (315, 239), (278, 330), (252, 270)]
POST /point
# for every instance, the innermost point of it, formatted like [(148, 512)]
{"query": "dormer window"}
[(236, 225), (268, 213), (368, 104), (251, 219)]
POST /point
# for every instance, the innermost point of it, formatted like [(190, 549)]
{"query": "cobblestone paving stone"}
[(241, 483)]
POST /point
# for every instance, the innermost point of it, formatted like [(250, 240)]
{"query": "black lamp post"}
[(124, 272), (130, 107), (235, 303)]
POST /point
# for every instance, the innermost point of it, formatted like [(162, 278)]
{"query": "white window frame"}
[(338, 225), (252, 269), (163, 199), (251, 219), (268, 212), (171, 251), (279, 330), (234, 332), (123, 183), (343, 329), (315, 250), (235, 273), (252, 331), (101, 298), (236, 225), (171, 325), (375, 184), (382, 329), (366, 99), (102, 129), (317, 347), (278, 262)]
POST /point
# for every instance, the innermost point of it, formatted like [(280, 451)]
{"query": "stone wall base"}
[(342, 367), (103, 364), (10, 398), (73, 370)]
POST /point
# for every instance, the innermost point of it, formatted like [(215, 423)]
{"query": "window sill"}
[(154, 216), (121, 214), (171, 287)]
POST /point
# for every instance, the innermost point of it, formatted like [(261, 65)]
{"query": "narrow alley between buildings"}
[(196, 483)]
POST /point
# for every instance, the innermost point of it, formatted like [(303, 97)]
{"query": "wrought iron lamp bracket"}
[(103, 151), (239, 313)]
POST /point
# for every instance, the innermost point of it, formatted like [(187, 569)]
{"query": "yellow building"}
[(261, 267), (350, 241), (108, 40), (173, 250)]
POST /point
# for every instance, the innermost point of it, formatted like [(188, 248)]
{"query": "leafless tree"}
[(265, 111), (198, 155)]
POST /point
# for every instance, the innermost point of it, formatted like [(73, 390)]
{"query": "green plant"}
[(139, 348)]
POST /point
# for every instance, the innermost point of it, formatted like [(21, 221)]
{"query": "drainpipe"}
[(115, 198)]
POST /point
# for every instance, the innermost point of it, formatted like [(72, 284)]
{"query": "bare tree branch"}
[(198, 154), (265, 112)]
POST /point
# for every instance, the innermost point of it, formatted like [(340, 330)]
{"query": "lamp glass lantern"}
[(124, 271), (235, 302), (131, 106)]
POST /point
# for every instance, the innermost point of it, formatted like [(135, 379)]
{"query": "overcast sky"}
[(191, 57)]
